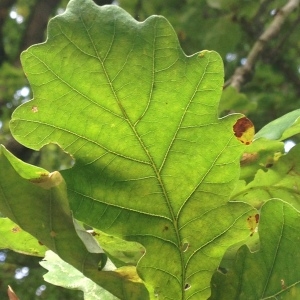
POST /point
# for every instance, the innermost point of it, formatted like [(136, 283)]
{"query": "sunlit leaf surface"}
[(154, 164)]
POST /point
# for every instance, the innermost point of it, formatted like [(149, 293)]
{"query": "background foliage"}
[(229, 27)]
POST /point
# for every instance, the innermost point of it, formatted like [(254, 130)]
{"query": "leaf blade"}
[(152, 157)]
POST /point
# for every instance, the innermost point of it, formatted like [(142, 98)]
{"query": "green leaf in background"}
[(63, 274), (273, 271), (281, 128), (234, 101), (14, 238), (260, 155), (279, 181), (154, 164), (42, 197)]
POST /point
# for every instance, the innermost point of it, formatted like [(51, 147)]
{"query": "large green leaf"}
[(273, 271), (154, 164), (37, 201)]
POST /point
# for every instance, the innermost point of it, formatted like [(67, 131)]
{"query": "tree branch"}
[(244, 73)]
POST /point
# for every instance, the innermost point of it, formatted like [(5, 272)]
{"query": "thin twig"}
[(244, 73)]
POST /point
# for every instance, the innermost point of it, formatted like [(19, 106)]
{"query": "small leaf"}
[(281, 128)]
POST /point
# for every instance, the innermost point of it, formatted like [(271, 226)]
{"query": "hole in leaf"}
[(185, 246), (52, 158), (222, 270), (187, 286), (102, 262)]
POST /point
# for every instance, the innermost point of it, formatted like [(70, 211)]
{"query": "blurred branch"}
[(244, 73), (5, 5), (284, 39)]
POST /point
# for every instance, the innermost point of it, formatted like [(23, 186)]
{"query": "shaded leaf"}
[(16, 239), (62, 274), (121, 252), (44, 200), (273, 271)]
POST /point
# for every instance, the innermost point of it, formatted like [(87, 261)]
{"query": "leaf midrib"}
[(133, 128)]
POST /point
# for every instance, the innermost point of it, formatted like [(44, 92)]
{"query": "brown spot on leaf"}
[(92, 232), (248, 158), (34, 109), (244, 130), (16, 229), (40, 179), (53, 234)]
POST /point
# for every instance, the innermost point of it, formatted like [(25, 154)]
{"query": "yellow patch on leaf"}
[(252, 222), (244, 130)]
